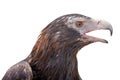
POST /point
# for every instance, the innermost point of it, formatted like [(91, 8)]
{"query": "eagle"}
[(53, 56)]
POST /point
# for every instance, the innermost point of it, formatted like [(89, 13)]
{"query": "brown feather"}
[(54, 55)]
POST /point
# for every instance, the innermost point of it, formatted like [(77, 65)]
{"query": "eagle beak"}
[(101, 24), (97, 25)]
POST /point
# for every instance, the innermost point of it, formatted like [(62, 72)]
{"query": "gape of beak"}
[(97, 25)]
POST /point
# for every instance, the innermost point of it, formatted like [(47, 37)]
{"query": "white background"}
[(22, 20)]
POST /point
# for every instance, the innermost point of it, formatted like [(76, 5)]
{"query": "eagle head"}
[(71, 30)]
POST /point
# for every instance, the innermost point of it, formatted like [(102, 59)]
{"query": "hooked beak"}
[(101, 24), (98, 25)]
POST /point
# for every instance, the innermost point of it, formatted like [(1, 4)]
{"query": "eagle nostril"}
[(98, 22)]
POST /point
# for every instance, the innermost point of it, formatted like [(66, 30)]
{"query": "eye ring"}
[(79, 24)]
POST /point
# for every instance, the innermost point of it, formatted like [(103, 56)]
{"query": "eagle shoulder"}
[(19, 71)]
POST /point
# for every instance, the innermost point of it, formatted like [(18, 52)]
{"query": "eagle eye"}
[(79, 24)]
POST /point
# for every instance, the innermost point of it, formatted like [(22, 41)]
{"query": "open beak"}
[(98, 25)]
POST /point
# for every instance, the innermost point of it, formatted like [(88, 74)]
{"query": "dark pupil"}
[(79, 24)]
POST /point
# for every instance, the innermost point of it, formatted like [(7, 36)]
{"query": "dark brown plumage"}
[(54, 55)]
